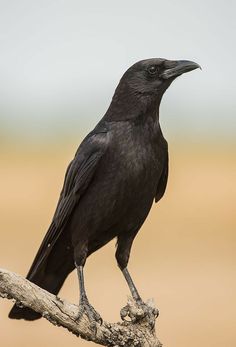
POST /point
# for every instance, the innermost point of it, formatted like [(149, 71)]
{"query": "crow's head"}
[(143, 85), (154, 76)]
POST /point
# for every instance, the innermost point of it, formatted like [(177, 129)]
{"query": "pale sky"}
[(60, 62)]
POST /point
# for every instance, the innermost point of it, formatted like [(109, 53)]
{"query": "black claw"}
[(146, 312), (100, 320), (149, 309), (92, 314), (124, 313)]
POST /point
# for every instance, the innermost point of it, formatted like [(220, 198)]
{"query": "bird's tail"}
[(48, 281), (48, 274)]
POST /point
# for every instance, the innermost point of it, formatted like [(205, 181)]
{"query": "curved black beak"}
[(177, 68)]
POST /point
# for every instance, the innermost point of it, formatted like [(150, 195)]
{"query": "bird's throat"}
[(130, 106)]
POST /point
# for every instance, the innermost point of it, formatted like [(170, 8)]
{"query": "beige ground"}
[(184, 255)]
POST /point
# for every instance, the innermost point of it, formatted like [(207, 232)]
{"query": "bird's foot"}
[(86, 308), (137, 310)]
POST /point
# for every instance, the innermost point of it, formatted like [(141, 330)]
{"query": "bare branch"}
[(139, 331)]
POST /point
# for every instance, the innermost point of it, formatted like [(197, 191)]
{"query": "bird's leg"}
[(145, 307), (122, 256), (124, 244), (84, 305), (133, 289)]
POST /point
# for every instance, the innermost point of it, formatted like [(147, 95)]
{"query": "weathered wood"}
[(139, 331)]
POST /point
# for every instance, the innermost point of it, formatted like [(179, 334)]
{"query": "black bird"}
[(119, 169)]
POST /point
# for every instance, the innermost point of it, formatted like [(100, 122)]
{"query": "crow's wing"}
[(162, 183), (78, 176)]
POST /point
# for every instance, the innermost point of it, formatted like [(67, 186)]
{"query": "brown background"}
[(184, 256)]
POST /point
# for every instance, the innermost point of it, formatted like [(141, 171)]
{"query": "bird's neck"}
[(127, 105)]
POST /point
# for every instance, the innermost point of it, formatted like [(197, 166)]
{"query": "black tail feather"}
[(23, 313), (50, 275)]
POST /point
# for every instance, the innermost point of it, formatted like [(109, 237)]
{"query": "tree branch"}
[(139, 331)]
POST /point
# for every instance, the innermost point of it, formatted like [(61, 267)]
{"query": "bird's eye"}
[(152, 70)]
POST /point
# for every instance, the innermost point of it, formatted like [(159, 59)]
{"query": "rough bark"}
[(139, 331)]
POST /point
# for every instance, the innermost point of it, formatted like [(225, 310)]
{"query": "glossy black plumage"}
[(120, 168)]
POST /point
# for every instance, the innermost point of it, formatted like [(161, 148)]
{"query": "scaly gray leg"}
[(131, 285), (84, 305)]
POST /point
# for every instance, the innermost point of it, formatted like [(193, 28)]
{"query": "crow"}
[(119, 169)]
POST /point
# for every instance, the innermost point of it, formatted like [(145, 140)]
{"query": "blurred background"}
[(60, 62)]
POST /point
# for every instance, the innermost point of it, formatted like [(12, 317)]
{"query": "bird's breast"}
[(124, 185), (135, 165)]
